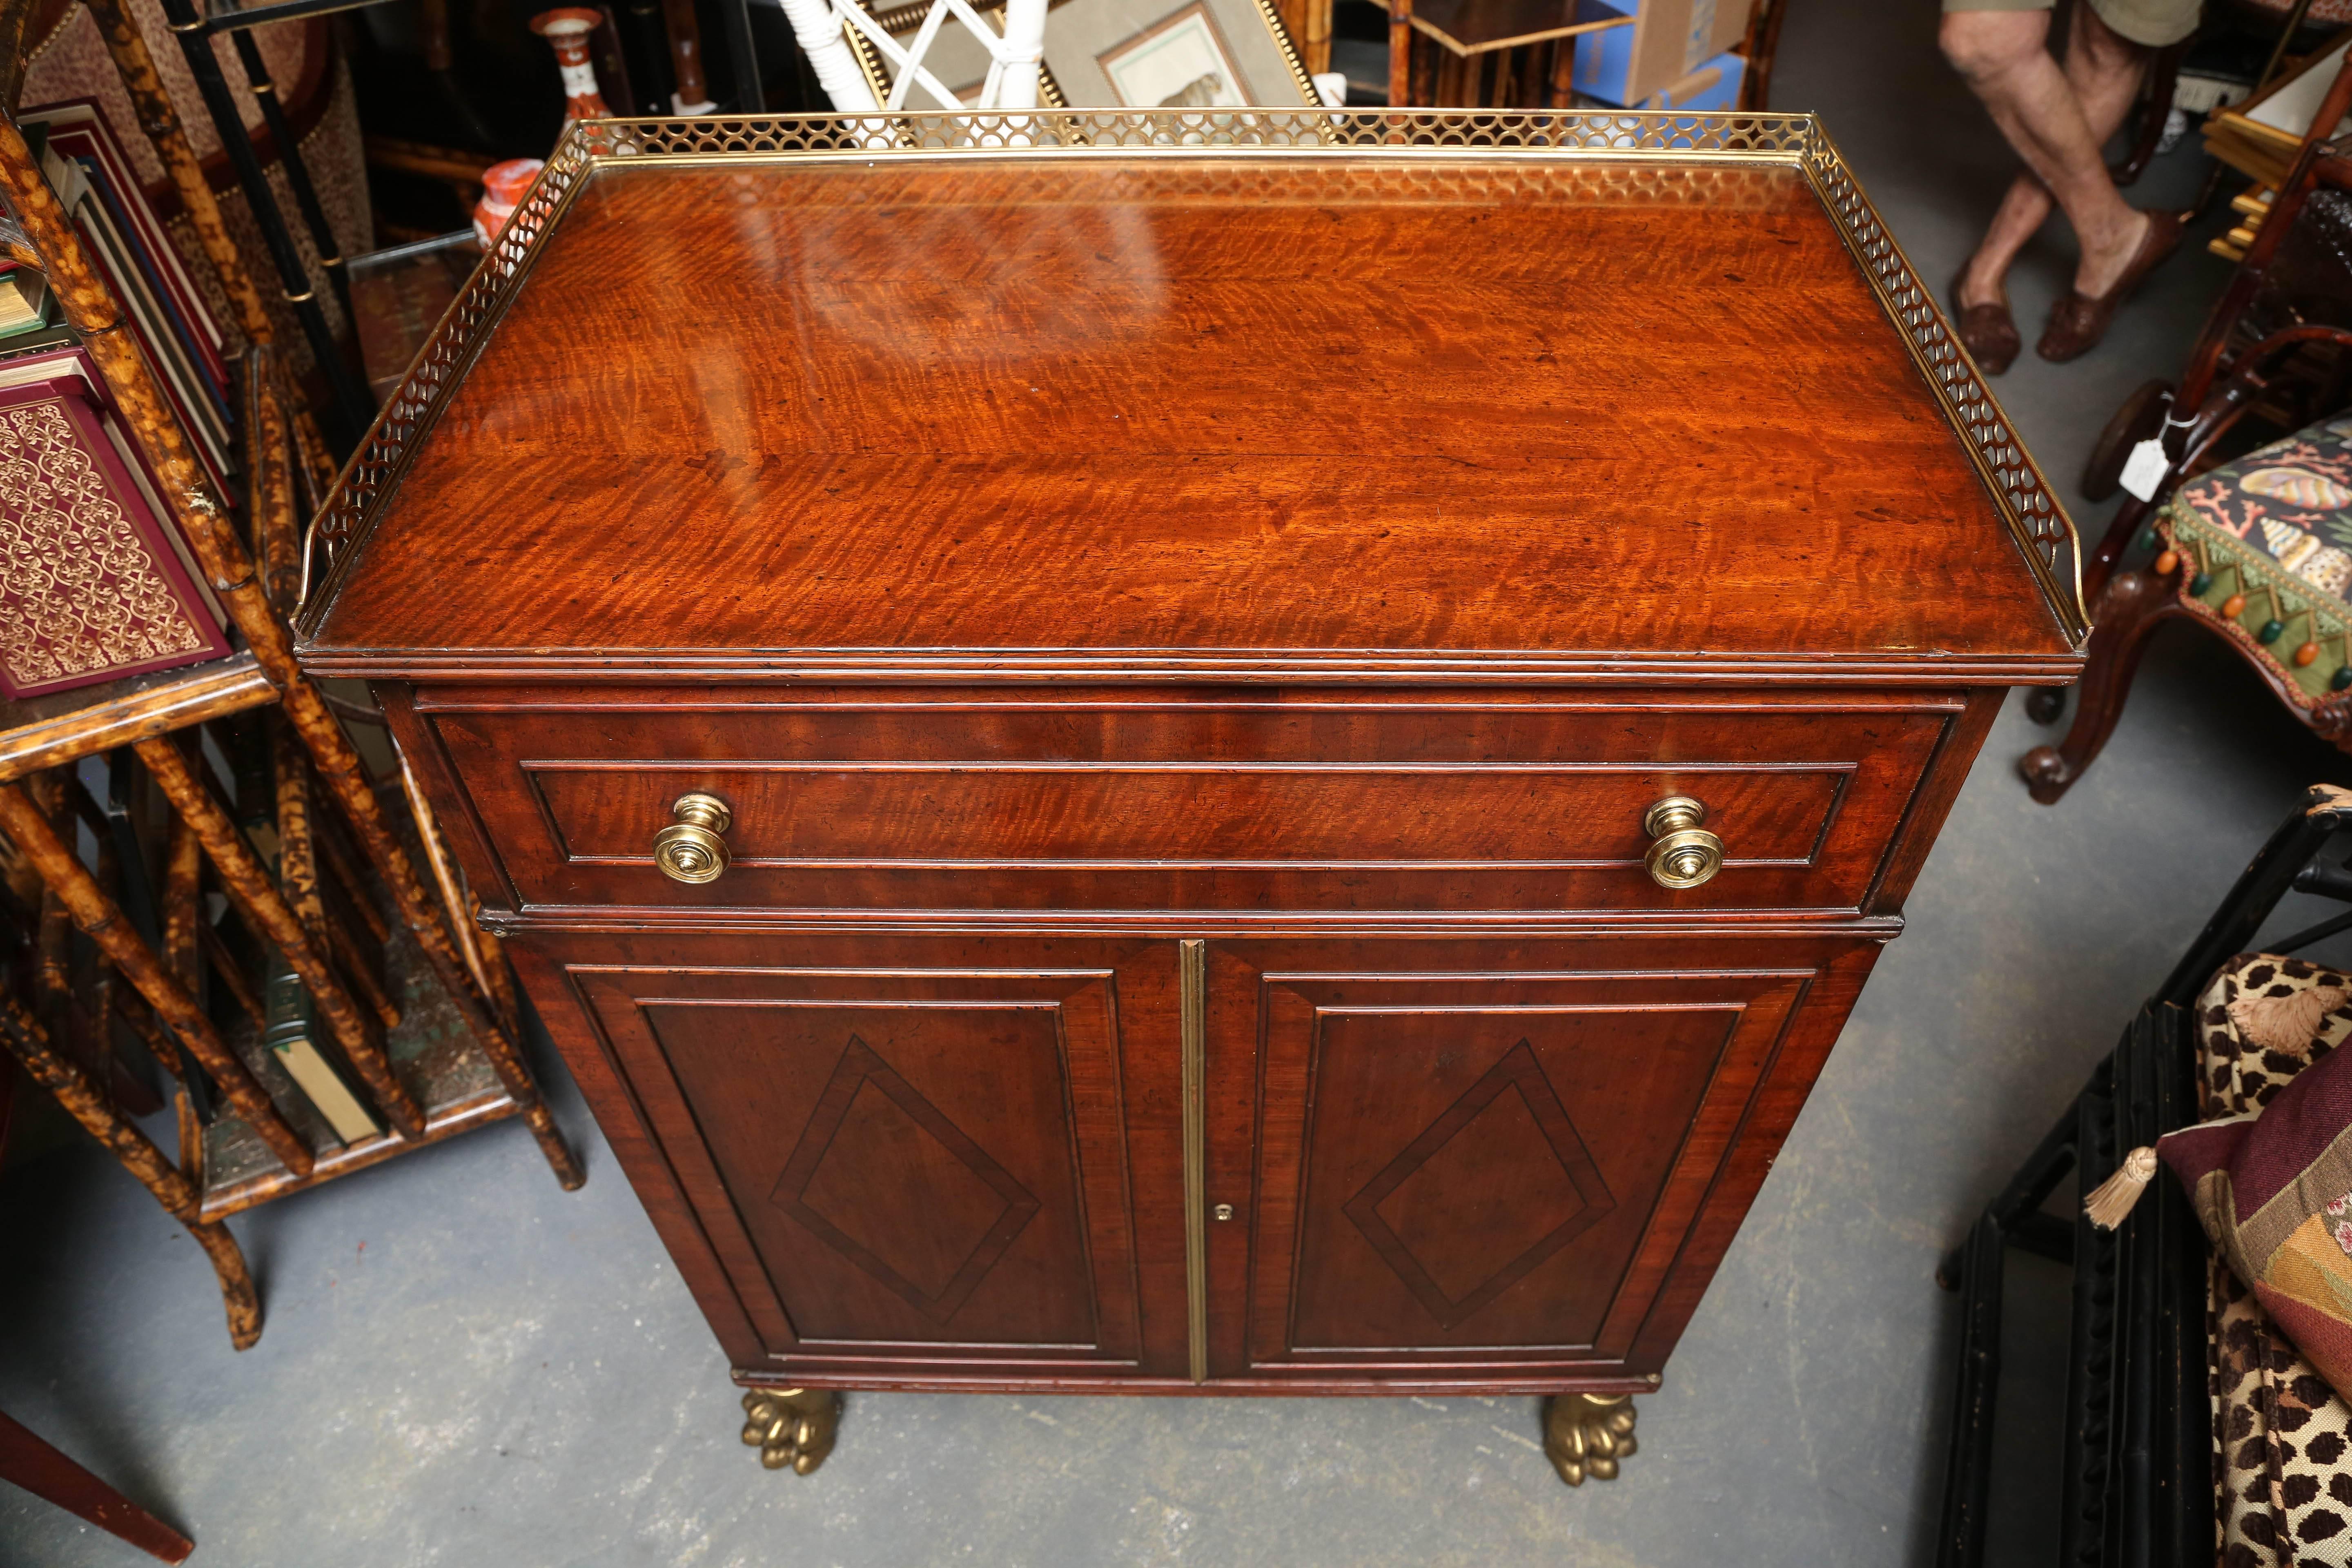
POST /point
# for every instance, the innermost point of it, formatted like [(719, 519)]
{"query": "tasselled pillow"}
[(2272, 1188)]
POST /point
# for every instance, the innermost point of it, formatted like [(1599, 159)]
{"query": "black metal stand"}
[(350, 393), (298, 174), (751, 97), (2137, 1485)]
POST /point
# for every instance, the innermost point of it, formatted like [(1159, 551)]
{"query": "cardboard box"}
[(1712, 88), (1666, 41)]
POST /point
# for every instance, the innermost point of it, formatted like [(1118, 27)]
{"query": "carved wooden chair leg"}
[(2130, 518), (32, 1464), (2044, 704), (2136, 604), (82, 1099)]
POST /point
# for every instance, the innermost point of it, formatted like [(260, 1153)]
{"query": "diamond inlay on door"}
[(1510, 1138), (885, 1178)]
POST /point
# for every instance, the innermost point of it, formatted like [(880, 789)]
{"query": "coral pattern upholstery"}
[(2267, 544)]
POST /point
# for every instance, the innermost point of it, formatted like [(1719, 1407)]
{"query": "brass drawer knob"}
[(1686, 854), (689, 850)]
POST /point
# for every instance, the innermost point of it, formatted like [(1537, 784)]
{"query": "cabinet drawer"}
[(1224, 800)]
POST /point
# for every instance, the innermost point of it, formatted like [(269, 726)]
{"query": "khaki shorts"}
[(2155, 23)]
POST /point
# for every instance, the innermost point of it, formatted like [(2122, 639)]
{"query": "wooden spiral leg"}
[(2137, 603), (84, 1101)]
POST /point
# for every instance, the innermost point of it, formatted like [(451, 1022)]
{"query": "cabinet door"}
[(921, 1164), (1476, 1161)]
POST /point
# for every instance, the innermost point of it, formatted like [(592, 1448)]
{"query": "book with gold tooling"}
[(95, 584)]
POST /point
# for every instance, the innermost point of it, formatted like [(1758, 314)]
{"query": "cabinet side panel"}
[(419, 739), (1932, 802), (626, 1132), (1787, 1080)]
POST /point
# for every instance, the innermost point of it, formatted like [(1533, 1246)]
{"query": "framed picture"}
[(1179, 63), (1127, 54)]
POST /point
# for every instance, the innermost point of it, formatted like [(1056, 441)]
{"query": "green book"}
[(288, 1006)]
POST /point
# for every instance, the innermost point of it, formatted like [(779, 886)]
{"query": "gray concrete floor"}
[(466, 1367)]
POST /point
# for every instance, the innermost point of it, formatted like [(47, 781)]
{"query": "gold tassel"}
[(2111, 1199), (2291, 1024)]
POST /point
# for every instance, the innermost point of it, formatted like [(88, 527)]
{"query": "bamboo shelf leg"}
[(96, 914), (256, 898), (29, 1043), (48, 242)]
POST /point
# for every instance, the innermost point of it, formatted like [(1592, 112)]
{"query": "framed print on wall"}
[(1179, 63), (1242, 43)]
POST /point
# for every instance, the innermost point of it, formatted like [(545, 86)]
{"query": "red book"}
[(95, 584)]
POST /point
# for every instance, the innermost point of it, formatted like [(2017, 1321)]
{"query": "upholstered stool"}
[(2257, 551)]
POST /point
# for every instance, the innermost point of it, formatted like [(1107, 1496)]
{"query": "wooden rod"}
[(297, 875), (359, 972), (249, 885), (192, 1138), (47, 241), (210, 691), (87, 1103), (494, 958), (137, 1017), (298, 860), (178, 1195), (326, 840), (183, 871), (279, 537), (96, 914), (445, 874), (232, 975)]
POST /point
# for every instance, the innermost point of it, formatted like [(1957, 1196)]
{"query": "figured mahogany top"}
[(1125, 406)]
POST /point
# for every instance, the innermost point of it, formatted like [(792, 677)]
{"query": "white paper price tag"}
[(2144, 469)]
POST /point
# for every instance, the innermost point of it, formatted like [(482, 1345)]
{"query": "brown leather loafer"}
[(2077, 322), (1988, 331)]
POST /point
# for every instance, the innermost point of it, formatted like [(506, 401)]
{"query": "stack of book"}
[(102, 585), (94, 180)]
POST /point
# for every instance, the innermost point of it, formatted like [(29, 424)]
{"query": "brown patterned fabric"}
[(2281, 1438)]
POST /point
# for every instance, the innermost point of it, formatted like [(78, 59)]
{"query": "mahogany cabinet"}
[(1195, 754)]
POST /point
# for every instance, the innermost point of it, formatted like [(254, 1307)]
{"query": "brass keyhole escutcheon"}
[(689, 850), (1684, 853)]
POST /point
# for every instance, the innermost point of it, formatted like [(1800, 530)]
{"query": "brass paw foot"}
[(792, 1428), (1586, 1434)]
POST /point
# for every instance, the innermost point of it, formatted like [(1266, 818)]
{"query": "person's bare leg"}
[(2059, 122)]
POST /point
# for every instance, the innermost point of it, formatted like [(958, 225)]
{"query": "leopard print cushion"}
[(2281, 1438)]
